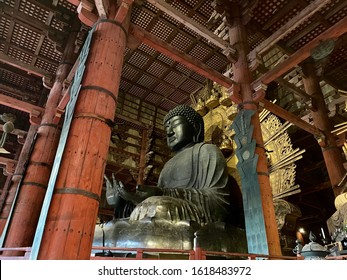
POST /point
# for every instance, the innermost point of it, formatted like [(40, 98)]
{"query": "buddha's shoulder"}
[(209, 148)]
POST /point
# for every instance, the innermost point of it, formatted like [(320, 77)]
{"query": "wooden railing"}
[(339, 257), (100, 253), (141, 253), (25, 256), (195, 254)]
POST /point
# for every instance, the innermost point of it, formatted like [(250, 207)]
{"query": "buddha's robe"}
[(194, 184)]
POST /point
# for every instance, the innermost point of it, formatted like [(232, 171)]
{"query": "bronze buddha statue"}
[(192, 197)]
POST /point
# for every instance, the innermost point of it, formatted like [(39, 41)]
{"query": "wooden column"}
[(331, 152), (142, 163), (23, 224), (145, 156), (17, 176), (247, 99), (7, 184), (5, 191), (69, 228), (4, 206)]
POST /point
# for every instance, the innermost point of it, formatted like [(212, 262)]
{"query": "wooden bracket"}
[(259, 91), (35, 117), (59, 111), (123, 10), (10, 165), (234, 93), (21, 138), (230, 53), (85, 13), (254, 61)]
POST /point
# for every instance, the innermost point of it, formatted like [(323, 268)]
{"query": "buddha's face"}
[(180, 133)]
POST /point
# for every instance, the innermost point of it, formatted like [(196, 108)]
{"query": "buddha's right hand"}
[(115, 190), (112, 194)]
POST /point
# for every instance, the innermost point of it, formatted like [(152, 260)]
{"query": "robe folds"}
[(194, 184)]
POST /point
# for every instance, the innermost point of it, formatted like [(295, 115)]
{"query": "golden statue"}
[(201, 107)]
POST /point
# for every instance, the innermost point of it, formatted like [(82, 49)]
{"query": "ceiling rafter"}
[(288, 27), (159, 45), (179, 29), (29, 22), (23, 66), (21, 93), (281, 13), (185, 20), (171, 67), (35, 112), (187, 60), (33, 55), (288, 51), (300, 55), (314, 24)]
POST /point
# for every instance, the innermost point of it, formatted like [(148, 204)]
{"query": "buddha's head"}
[(184, 127)]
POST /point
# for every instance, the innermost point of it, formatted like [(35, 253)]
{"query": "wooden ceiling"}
[(281, 34)]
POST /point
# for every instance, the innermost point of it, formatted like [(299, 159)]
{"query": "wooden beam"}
[(86, 14), (289, 86), (106, 212), (35, 112), (188, 22), (204, 70), (74, 2), (279, 111), (293, 88), (34, 56), (289, 26), (185, 59), (317, 188), (23, 66), (320, 19), (19, 93), (20, 105), (332, 33)]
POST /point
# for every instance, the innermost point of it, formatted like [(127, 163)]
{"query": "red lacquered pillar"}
[(27, 210), (70, 223), (331, 152)]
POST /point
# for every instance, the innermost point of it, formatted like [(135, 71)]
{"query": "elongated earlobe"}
[(197, 136)]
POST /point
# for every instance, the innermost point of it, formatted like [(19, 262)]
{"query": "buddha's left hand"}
[(142, 192), (145, 191)]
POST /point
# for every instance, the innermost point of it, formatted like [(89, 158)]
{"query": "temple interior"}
[(85, 86)]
